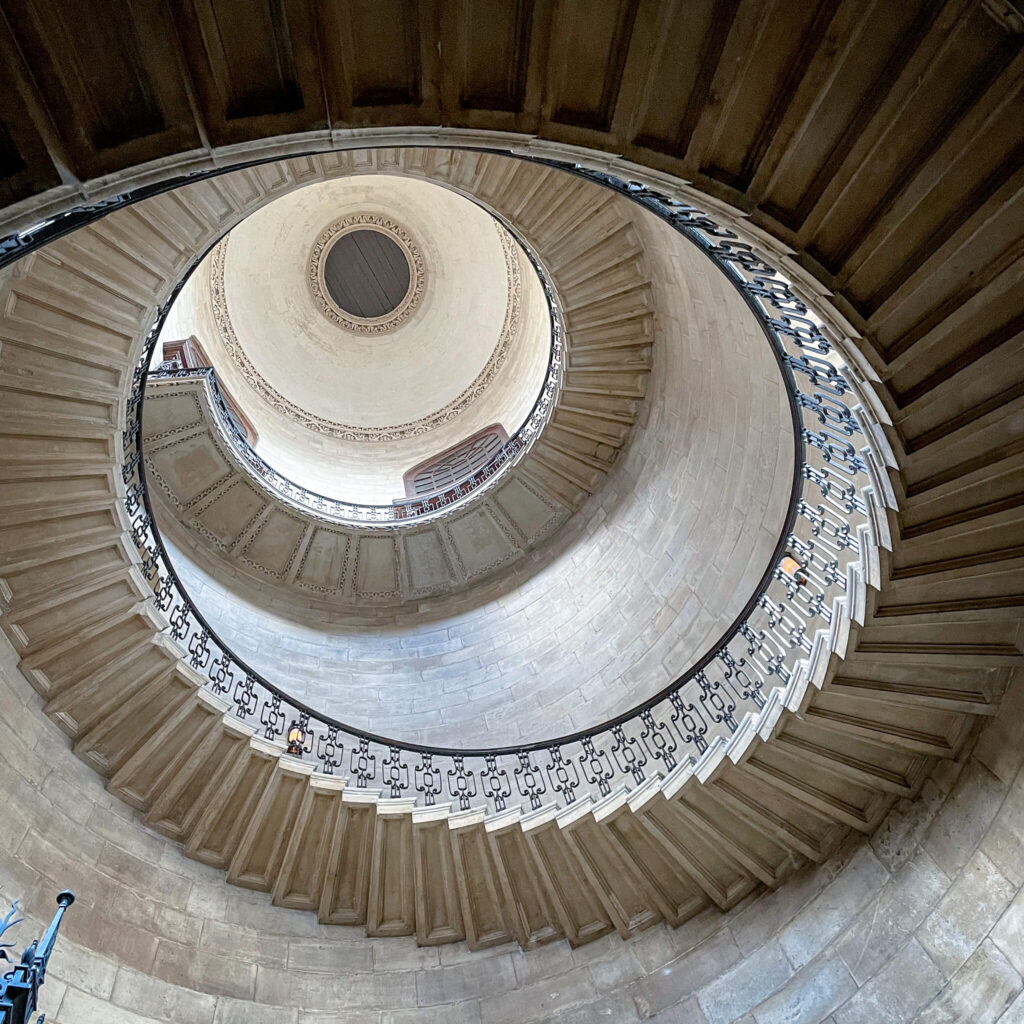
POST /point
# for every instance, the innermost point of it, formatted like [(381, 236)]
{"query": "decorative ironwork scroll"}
[(760, 652)]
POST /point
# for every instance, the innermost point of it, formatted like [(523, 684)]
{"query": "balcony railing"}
[(768, 645), (432, 507)]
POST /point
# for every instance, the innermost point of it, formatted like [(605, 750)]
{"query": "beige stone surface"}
[(748, 965), (749, 812), (695, 506), (951, 594)]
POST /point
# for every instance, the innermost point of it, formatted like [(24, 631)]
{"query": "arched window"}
[(453, 466)]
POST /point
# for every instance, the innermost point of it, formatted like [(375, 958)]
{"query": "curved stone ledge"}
[(562, 653), (856, 157), (31, 611)]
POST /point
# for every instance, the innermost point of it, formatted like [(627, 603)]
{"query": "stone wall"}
[(693, 507), (924, 921)]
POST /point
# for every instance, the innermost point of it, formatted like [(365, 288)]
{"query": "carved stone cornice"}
[(354, 431)]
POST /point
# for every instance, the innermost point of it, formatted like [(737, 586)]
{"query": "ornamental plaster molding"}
[(359, 432), (318, 288)]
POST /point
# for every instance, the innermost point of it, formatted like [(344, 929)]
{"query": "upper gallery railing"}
[(434, 506), (767, 644)]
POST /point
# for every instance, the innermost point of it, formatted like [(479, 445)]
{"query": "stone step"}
[(785, 789)]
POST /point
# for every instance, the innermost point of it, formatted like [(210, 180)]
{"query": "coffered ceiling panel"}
[(754, 94), (229, 513), (25, 165), (110, 81), (494, 52), (275, 542), (679, 79), (376, 567), (481, 542), (378, 53), (426, 564), (185, 469), (322, 566), (255, 66), (177, 414), (592, 41)]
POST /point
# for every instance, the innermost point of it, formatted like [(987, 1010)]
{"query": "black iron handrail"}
[(19, 986), (759, 652)]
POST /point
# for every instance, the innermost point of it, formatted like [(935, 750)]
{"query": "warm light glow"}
[(792, 568), (296, 740)]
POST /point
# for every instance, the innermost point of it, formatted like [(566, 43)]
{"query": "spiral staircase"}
[(875, 156), (604, 292)]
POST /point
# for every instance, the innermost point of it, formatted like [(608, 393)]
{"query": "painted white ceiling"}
[(435, 379)]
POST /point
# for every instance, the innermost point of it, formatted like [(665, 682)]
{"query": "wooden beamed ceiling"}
[(873, 137)]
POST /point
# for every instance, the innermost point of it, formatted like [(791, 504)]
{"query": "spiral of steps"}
[(81, 615), (918, 692)]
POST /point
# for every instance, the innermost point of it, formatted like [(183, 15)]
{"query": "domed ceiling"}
[(364, 325)]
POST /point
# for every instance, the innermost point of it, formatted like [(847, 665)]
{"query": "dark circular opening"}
[(366, 273)]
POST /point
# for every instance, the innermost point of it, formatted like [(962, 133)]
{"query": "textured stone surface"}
[(828, 914), (679, 978), (964, 819), (978, 992), (897, 992), (33, 755), (965, 914), (889, 947), (884, 924), (745, 985), (1008, 934), (812, 993)]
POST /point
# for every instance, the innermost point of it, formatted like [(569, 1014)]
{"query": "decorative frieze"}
[(356, 431)]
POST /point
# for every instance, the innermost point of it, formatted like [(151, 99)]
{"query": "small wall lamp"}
[(791, 567), (296, 739)]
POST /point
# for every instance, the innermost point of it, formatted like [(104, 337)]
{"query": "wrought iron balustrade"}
[(430, 507), (762, 650)]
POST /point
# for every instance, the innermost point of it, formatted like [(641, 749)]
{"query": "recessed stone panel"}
[(190, 467), (426, 565), (275, 542), (529, 512), (230, 512), (323, 565), (480, 542), (376, 567), (174, 412)]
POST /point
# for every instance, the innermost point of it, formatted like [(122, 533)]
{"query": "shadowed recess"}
[(366, 274)]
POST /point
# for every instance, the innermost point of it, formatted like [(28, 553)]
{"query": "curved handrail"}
[(760, 651)]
